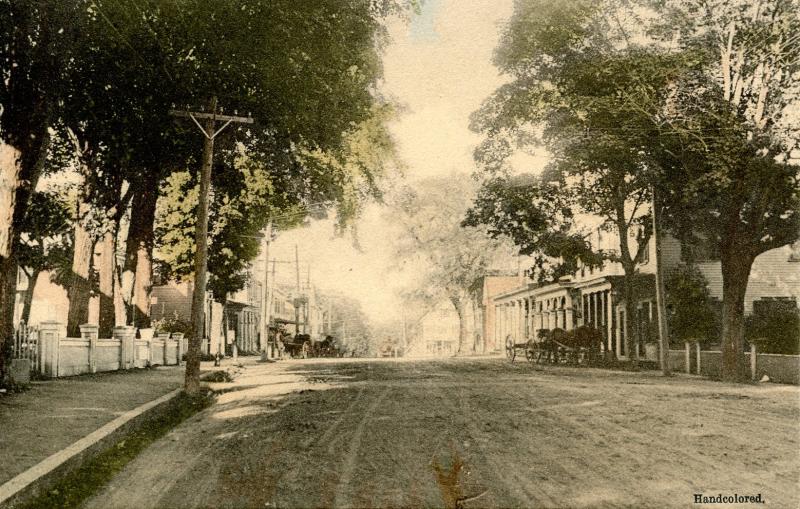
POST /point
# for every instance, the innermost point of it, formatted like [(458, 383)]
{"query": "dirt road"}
[(490, 434)]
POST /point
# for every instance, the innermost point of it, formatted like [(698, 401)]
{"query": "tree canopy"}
[(690, 100), (452, 258)]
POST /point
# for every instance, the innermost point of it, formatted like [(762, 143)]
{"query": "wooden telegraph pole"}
[(192, 380), (266, 302), (297, 289), (663, 326)]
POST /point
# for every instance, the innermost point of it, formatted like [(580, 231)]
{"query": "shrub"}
[(775, 326), (689, 307), (173, 324)]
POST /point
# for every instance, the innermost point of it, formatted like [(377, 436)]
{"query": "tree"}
[(244, 200), (454, 257), (581, 88), (37, 40), (534, 215), (732, 125), (69, 65), (45, 243)]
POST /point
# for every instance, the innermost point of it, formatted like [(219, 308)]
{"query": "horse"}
[(573, 342)]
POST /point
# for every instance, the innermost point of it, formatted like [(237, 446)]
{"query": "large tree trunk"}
[(138, 271), (8, 286), (735, 274), (20, 169), (120, 314), (105, 283), (630, 296), (80, 288), (27, 299), (10, 167), (464, 346)]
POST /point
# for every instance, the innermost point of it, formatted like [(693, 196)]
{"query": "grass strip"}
[(88, 479)]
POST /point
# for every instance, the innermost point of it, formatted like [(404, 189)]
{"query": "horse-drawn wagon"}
[(298, 346), (581, 343)]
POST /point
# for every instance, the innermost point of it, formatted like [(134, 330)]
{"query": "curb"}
[(46, 471)]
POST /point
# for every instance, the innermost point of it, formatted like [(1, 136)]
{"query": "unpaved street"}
[(423, 434)]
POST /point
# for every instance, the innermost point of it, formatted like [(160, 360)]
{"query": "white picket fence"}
[(26, 345), (52, 354)]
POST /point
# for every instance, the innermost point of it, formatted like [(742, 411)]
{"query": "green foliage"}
[(689, 307), (535, 217), (453, 257), (775, 328), (175, 224), (352, 331), (581, 88), (173, 324), (45, 243)]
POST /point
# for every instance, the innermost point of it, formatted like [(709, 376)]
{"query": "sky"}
[(438, 67)]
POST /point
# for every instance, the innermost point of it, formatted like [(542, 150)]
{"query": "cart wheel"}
[(532, 351), (510, 350)]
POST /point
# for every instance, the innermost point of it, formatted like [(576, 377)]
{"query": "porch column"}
[(495, 324), (547, 324), (515, 319), (528, 313), (585, 309), (597, 312), (502, 338), (506, 320), (523, 318), (568, 314), (609, 318)]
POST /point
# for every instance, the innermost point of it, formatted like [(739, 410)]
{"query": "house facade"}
[(173, 301), (594, 297), (437, 332), (485, 312)]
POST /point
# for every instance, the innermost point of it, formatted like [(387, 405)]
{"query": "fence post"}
[(688, 358), (150, 349), (90, 331), (125, 334), (178, 337), (753, 361), (49, 339), (697, 349)]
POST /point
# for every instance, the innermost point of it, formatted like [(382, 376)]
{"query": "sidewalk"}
[(53, 414)]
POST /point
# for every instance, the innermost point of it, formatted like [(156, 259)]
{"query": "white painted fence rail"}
[(779, 368), (62, 356)]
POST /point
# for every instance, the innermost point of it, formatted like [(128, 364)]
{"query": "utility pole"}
[(265, 297), (192, 381), (330, 317), (663, 326), (405, 340), (297, 287)]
